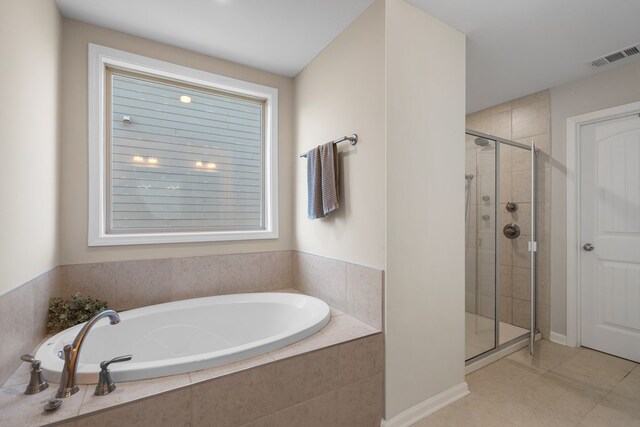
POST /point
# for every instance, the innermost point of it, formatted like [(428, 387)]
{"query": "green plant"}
[(67, 312)]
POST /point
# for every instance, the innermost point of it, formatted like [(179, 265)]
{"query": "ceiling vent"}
[(615, 56)]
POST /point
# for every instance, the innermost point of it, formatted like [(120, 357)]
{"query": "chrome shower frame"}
[(532, 245)]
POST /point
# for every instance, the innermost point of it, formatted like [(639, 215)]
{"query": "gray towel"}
[(329, 164), (314, 185), (322, 180)]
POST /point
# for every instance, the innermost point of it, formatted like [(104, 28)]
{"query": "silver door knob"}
[(588, 247)]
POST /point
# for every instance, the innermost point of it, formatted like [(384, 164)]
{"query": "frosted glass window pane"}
[(183, 159)]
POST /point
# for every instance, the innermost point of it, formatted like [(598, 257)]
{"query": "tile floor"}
[(479, 334), (559, 386)]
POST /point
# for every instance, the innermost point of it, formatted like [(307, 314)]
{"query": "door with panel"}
[(610, 236)]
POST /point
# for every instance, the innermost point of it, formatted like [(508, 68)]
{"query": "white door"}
[(610, 236)]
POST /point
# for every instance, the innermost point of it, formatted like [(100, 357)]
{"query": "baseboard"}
[(558, 338), (428, 407)]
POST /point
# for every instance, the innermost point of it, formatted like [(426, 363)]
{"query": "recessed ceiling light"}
[(138, 159), (153, 160), (186, 99), (211, 165)]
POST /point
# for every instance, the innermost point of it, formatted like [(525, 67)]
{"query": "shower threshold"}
[(479, 336)]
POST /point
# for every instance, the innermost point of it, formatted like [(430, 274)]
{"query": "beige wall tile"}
[(521, 186), (543, 95), (506, 281), (18, 409), (364, 294), (521, 313), (16, 328), (360, 403), (126, 392), (341, 328), (506, 311), (321, 411), (360, 359), (520, 255), (230, 368), (142, 283), (498, 124), (543, 319), (531, 119), (44, 287), (275, 270), (93, 280), (506, 188), (235, 399), (321, 277), (171, 409), (240, 273), (505, 251), (522, 283), (304, 377), (195, 277)]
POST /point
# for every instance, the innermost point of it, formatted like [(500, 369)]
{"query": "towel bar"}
[(353, 140)]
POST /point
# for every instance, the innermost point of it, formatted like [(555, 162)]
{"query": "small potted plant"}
[(67, 312)]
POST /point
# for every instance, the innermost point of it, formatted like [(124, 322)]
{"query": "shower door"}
[(481, 171)]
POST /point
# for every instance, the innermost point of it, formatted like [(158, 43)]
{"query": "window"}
[(177, 154)]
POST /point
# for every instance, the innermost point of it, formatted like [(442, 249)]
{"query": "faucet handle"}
[(105, 383), (36, 382), (105, 363)]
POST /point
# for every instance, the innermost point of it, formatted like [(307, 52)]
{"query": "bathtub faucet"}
[(68, 384)]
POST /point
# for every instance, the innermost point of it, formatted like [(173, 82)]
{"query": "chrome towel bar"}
[(353, 140)]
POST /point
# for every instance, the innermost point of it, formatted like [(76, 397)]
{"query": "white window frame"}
[(99, 58)]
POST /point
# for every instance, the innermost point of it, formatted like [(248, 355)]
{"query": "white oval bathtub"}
[(189, 335)]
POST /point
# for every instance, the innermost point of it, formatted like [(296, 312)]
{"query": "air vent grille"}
[(615, 56)]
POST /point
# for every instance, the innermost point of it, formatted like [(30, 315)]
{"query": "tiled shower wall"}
[(351, 288), (521, 120)]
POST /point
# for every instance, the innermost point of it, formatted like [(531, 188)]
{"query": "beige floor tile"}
[(546, 355), (522, 410), (470, 411), (613, 413), (592, 368), (500, 380), (573, 397)]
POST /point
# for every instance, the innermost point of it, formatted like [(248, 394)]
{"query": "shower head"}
[(468, 177), (482, 142)]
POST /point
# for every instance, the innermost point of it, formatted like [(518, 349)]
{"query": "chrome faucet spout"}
[(71, 351)]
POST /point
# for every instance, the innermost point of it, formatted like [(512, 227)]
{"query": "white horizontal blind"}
[(177, 166)]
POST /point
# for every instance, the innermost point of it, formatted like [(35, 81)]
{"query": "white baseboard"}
[(558, 338), (428, 407)]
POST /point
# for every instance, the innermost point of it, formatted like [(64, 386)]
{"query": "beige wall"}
[(73, 221), (603, 90), (29, 139), (342, 92), (425, 113), (521, 120)]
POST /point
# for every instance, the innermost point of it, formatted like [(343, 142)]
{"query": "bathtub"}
[(190, 335)]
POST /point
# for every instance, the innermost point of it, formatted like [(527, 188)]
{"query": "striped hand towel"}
[(330, 175), (314, 185), (322, 181)]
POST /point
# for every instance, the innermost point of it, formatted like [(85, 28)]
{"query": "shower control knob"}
[(511, 231), (588, 247)]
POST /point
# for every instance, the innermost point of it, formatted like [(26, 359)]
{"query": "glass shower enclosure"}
[(498, 223)]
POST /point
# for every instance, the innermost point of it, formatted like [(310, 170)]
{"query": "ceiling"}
[(514, 47)]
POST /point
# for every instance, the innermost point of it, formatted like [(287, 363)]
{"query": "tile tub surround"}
[(352, 288), (23, 318), (132, 284), (331, 378)]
